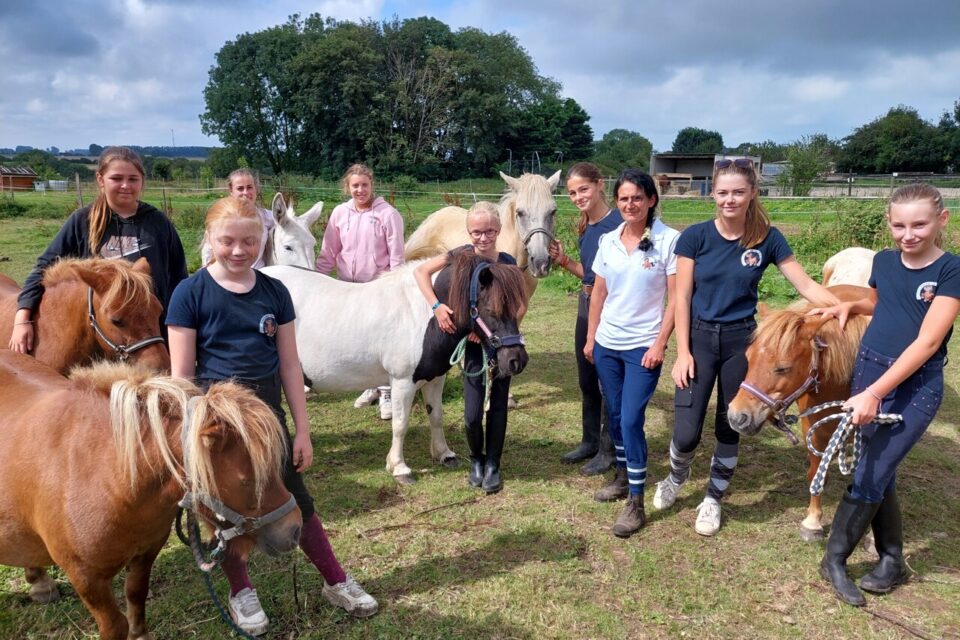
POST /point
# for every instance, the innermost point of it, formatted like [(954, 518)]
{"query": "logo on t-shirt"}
[(122, 247), (268, 325), (751, 258), (649, 263), (926, 292)]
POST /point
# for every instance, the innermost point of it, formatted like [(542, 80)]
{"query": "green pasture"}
[(537, 560)]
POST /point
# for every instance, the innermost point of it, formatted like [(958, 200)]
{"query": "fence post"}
[(76, 178)]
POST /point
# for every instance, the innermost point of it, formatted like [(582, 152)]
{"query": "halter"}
[(535, 231), (123, 350), (242, 524), (495, 341), (778, 408)]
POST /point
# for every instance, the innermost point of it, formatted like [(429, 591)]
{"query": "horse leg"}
[(433, 401), (136, 587), (402, 393), (811, 528), (96, 591), (43, 588)]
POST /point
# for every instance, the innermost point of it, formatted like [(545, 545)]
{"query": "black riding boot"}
[(849, 524), (589, 442), (606, 457), (475, 444), (496, 434), (888, 536)]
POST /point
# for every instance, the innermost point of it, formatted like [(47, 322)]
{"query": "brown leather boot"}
[(631, 519), (616, 490)]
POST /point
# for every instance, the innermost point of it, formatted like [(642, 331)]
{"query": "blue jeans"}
[(884, 445), (627, 389)]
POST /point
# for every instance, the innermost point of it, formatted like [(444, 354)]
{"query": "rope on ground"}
[(411, 521), (892, 619)]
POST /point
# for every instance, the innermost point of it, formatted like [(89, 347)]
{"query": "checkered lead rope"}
[(846, 461)]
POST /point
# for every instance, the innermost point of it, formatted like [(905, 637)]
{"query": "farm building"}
[(687, 173), (17, 178)]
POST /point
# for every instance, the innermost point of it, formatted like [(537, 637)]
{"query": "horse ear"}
[(142, 266), (279, 207), (313, 214), (812, 326), (554, 180), (95, 278), (513, 183)]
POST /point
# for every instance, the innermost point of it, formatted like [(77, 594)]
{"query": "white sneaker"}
[(367, 398), (708, 517), (666, 493), (246, 611), (351, 597), (386, 407)]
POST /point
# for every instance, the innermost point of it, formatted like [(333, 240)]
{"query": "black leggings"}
[(591, 396)]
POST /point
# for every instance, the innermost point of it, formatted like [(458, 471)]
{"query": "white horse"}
[(291, 242), (354, 336), (850, 266), (528, 217)]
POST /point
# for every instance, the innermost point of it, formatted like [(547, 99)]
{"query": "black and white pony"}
[(355, 336)]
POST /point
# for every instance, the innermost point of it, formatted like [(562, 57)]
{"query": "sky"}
[(76, 72)]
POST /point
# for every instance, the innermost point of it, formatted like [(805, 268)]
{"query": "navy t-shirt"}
[(502, 258), (589, 242), (903, 298), (725, 275), (236, 332)]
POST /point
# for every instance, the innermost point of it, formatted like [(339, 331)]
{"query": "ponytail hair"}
[(643, 181), (586, 171), (100, 210), (757, 225)]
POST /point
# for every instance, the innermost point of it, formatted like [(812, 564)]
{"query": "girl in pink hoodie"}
[(364, 238)]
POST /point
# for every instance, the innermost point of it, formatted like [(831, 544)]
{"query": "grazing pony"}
[(291, 242), (354, 336), (849, 266), (93, 468), (528, 218), (92, 309), (802, 359)]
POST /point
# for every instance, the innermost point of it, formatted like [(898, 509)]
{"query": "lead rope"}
[(459, 357), (847, 462)]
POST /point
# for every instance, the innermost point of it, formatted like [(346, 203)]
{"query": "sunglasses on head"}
[(742, 163)]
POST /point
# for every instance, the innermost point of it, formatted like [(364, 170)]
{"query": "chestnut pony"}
[(94, 465), (116, 294), (791, 350)]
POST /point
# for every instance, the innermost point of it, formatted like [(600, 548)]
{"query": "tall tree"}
[(694, 140), (619, 149), (899, 141)]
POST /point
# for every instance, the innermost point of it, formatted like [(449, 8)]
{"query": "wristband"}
[(873, 393), (436, 305)]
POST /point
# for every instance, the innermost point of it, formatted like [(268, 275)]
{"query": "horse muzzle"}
[(744, 422), (511, 360)]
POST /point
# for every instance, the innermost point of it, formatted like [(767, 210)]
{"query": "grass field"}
[(537, 560)]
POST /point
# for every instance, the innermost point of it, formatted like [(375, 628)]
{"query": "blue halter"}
[(495, 341)]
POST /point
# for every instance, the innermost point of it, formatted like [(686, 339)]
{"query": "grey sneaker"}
[(351, 597), (666, 493), (246, 611), (708, 518), (367, 398)]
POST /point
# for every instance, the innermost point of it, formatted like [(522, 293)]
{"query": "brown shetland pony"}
[(93, 468), (780, 359), (124, 305)]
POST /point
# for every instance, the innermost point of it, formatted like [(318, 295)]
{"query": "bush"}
[(10, 208)]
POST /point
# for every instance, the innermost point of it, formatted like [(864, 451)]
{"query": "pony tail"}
[(646, 240), (757, 225), (582, 224), (98, 219)]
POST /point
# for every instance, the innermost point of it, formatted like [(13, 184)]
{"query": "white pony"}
[(528, 218), (291, 242), (849, 266), (354, 336)]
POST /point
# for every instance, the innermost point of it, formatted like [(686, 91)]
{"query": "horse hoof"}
[(453, 462), (810, 535), (44, 591), (405, 479)]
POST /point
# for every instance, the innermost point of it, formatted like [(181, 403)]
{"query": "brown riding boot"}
[(617, 489), (631, 519)]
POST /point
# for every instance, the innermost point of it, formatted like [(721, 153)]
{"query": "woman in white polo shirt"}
[(628, 329)]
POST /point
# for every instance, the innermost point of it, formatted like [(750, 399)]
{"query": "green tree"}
[(767, 151), (808, 157), (899, 141), (694, 140), (162, 169), (619, 149)]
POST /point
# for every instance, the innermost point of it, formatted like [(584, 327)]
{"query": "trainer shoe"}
[(367, 398), (246, 611), (351, 597), (666, 493), (386, 407), (708, 517)]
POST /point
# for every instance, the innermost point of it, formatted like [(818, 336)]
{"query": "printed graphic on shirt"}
[(751, 258), (649, 263), (268, 325), (926, 292), (122, 247)]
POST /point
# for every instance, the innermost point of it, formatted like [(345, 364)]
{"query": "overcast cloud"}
[(133, 71)]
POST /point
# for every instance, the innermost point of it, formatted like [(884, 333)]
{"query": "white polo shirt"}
[(636, 287)]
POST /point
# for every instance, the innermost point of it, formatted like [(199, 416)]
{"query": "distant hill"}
[(93, 151)]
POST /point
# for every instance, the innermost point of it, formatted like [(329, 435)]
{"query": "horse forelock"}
[(504, 297), (533, 195), (127, 287), (779, 333), (229, 409)]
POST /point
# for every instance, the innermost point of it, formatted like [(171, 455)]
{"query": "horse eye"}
[(552, 213), (781, 370), (117, 322), (287, 247), (521, 212)]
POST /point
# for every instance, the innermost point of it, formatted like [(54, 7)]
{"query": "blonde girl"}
[(244, 183)]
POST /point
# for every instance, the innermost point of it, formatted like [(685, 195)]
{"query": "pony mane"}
[(506, 293), (128, 288), (533, 190), (778, 332)]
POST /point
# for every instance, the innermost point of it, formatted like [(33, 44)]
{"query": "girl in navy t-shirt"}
[(914, 303), (585, 188), (719, 266), (229, 321)]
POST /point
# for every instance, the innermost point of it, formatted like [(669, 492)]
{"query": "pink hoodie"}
[(362, 244)]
